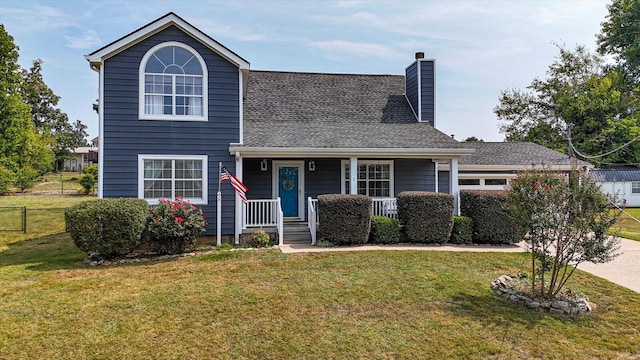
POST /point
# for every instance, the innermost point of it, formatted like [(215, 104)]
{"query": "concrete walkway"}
[(624, 270)]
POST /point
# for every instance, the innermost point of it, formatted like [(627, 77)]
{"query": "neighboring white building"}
[(82, 156), (624, 184)]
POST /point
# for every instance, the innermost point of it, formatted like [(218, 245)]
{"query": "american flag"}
[(238, 186)]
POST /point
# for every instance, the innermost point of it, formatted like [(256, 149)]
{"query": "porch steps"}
[(296, 232)]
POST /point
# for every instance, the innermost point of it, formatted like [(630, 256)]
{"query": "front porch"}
[(268, 214), (283, 189)]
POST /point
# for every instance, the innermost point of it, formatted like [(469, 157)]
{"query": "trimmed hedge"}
[(426, 216), (344, 219), (384, 230), (492, 223), (108, 227), (462, 232)]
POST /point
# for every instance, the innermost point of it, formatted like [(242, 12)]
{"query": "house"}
[(174, 103), (494, 164), (623, 184), (80, 157)]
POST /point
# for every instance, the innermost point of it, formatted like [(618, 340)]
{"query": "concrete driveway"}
[(623, 270)]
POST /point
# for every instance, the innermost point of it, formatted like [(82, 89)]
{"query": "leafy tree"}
[(23, 152), (580, 98), (620, 36), (50, 122), (566, 218), (473, 139)]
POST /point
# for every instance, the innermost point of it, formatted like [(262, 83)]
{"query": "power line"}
[(601, 155)]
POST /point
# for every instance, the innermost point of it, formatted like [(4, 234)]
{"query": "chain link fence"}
[(23, 219)]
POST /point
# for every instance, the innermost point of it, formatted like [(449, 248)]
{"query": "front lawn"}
[(267, 305), (627, 227)]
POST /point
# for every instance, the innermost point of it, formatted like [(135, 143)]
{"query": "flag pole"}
[(218, 210)]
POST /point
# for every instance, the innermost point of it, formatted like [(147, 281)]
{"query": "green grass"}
[(63, 181), (267, 305), (627, 227), (45, 216)]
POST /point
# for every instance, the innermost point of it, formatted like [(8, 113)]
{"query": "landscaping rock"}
[(568, 304)]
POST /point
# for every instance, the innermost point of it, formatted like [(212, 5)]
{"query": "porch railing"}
[(264, 213), (385, 207), (312, 218)]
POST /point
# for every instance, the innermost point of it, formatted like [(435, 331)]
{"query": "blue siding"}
[(125, 136), (325, 180), (409, 175), (259, 182), (411, 86), (414, 175), (427, 87)]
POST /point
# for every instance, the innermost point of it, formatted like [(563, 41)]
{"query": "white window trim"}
[(631, 190), (205, 178), (141, 86), (343, 178)]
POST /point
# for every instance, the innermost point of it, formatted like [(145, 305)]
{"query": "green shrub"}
[(260, 238), (426, 216), (25, 178), (108, 227), (174, 226), (462, 232), (384, 230), (492, 223), (91, 169), (88, 183), (344, 219)]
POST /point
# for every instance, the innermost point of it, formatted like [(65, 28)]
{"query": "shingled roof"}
[(513, 153), (314, 110)]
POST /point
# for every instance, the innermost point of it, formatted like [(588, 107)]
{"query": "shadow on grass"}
[(50, 252), (491, 309)]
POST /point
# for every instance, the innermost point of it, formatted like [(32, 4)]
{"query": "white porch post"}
[(353, 175), (435, 169), (239, 204), (453, 186)]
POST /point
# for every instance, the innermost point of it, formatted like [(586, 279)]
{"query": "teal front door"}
[(288, 190)]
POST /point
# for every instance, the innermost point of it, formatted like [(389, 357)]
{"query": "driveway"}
[(624, 270)]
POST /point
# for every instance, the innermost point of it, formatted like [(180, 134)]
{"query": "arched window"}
[(173, 85)]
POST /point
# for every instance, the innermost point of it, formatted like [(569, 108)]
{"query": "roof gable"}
[(97, 57)]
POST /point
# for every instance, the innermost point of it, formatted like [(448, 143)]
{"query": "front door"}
[(288, 190), (288, 184)]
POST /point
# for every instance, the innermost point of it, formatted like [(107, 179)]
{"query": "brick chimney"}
[(420, 88)]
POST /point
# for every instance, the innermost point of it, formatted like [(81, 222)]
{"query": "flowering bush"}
[(566, 217), (174, 226)]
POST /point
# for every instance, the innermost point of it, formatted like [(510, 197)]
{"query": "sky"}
[(480, 47)]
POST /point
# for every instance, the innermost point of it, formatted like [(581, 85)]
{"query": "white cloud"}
[(89, 39)]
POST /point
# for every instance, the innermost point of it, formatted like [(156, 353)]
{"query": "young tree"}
[(566, 217)]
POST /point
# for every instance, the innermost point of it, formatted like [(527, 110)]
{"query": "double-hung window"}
[(173, 84), (171, 176), (375, 177), (635, 187)]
